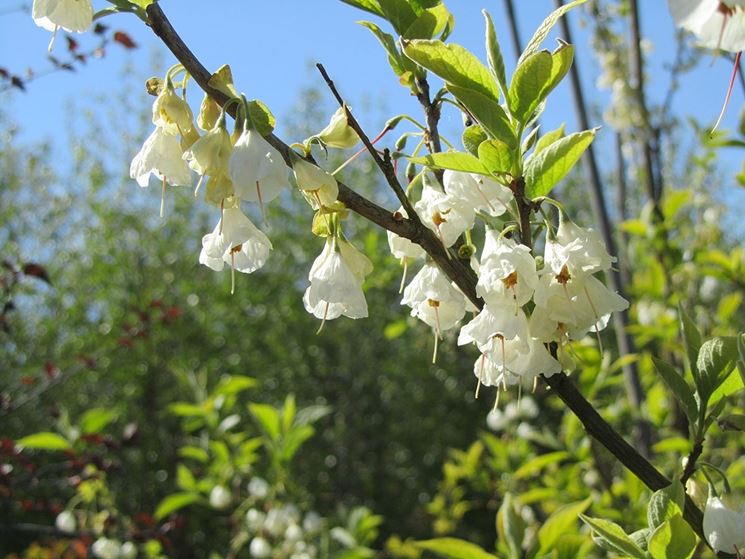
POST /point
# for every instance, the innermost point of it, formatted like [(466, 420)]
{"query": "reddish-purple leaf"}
[(125, 40), (36, 271), (4, 73), (15, 81), (72, 44), (100, 29)]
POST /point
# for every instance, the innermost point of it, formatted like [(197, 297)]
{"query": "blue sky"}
[(271, 45)]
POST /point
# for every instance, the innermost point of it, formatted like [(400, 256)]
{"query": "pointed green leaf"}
[(545, 28), (691, 337), (679, 387), (510, 526), (453, 160), (529, 140), (233, 384), (454, 64), (559, 523), (549, 138), (472, 137), (183, 409), (184, 478), (731, 384), (536, 464), (716, 359), (95, 420), (494, 53), (487, 112), (453, 548), (399, 13), (672, 539), (496, 156), (44, 441), (665, 504), (268, 418), (741, 352), (543, 170), (288, 413), (295, 439), (614, 536), (311, 414), (399, 63), (174, 502), (430, 23), (371, 6), (528, 82), (195, 453)]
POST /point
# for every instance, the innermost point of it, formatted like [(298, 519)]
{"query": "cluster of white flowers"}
[(279, 530), (526, 307), (107, 548)]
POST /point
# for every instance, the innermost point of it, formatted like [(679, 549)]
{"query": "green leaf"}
[(399, 13), (232, 384), (195, 453), (454, 548), (673, 539), (535, 465), (454, 64), (527, 85), (559, 523), (679, 387), (613, 535), (732, 384), (268, 418), (183, 409), (510, 526), (174, 502), (453, 160), (184, 478), (665, 504), (401, 65), (691, 337), (472, 137), (535, 78), (294, 440), (288, 413), (261, 117), (311, 414), (543, 170), (545, 28), (371, 6), (487, 112), (716, 359), (430, 23), (494, 54), (44, 441), (496, 156), (95, 420), (741, 352), (732, 422)]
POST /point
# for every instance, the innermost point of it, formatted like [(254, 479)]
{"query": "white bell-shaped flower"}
[(171, 112), (257, 169), (401, 247), (718, 24), (70, 15), (160, 155), (477, 192), (581, 250), (320, 187), (336, 282), (490, 322), (444, 215), (434, 300), (237, 242), (507, 272), (724, 527)]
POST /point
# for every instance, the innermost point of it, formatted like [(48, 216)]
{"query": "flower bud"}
[(338, 133), (260, 548), (320, 185), (219, 497), (65, 522)]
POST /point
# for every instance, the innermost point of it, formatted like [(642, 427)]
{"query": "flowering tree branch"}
[(456, 269)]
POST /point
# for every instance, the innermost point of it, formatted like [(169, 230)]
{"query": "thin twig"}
[(385, 165)]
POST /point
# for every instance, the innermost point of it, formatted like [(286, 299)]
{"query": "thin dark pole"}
[(625, 343)]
